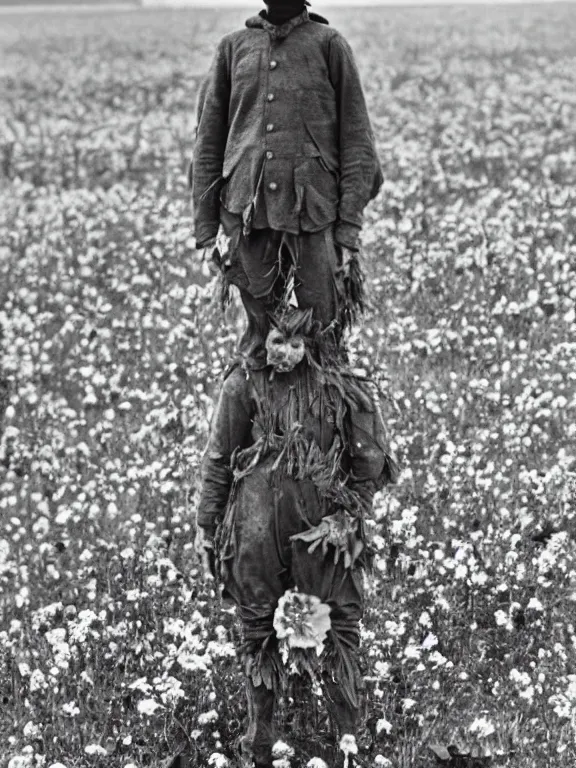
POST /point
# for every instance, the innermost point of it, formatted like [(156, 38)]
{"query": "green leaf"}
[(441, 752)]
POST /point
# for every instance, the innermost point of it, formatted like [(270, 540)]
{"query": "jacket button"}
[(269, 155), (273, 64), (273, 186), (270, 97), (270, 127)]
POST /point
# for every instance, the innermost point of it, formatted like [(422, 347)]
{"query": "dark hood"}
[(283, 30)]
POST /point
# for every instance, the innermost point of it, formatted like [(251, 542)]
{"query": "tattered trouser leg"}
[(255, 573), (342, 589), (343, 713), (259, 738)]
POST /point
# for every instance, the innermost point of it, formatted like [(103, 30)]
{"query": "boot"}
[(259, 739)]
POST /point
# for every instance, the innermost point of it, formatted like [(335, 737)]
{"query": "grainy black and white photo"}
[(287, 384)]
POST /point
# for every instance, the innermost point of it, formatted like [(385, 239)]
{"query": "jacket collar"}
[(280, 31)]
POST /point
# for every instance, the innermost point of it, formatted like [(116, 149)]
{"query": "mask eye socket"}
[(295, 343)]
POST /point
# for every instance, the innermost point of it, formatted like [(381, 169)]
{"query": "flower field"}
[(113, 652)]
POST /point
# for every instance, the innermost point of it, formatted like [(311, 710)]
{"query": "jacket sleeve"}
[(208, 156), (360, 170), (230, 429), (371, 464)]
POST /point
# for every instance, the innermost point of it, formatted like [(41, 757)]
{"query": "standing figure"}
[(284, 164), (297, 450)]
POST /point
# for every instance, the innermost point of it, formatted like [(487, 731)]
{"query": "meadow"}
[(112, 650)]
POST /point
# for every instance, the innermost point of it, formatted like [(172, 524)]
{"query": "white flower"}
[(70, 709), (148, 706), (57, 765), (283, 762), (56, 637), (207, 717), (382, 669), (141, 685), (461, 571), (535, 605), (218, 760), (348, 745), (482, 727), (20, 761), (171, 691), (429, 641), (316, 762), (425, 619), (520, 678), (193, 662), (301, 621), (221, 650), (37, 681), (95, 749), (501, 618), (382, 762), (565, 703), (412, 651), (31, 730), (383, 725), (281, 749)]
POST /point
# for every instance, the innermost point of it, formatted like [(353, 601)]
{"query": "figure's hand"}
[(223, 243), (204, 548), (339, 530), (210, 259), (351, 284), (215, 255), (348, 257)]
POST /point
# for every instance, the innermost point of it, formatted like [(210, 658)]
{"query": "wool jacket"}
[(283, 134)]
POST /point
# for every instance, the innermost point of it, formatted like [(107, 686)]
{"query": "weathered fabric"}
[(256, 744), (321, 413), (267, 265), (283, 137), (288, 456)]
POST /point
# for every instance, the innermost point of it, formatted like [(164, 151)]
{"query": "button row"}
[(272, 186)]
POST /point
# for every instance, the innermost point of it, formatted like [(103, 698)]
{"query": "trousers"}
[(262, 563), (271, 269)]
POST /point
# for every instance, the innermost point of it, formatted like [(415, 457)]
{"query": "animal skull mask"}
[(283, 352)]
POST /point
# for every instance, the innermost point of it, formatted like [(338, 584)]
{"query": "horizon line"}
[(94, 5)]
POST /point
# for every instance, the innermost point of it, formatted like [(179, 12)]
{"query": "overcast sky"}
[(323, 4)]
